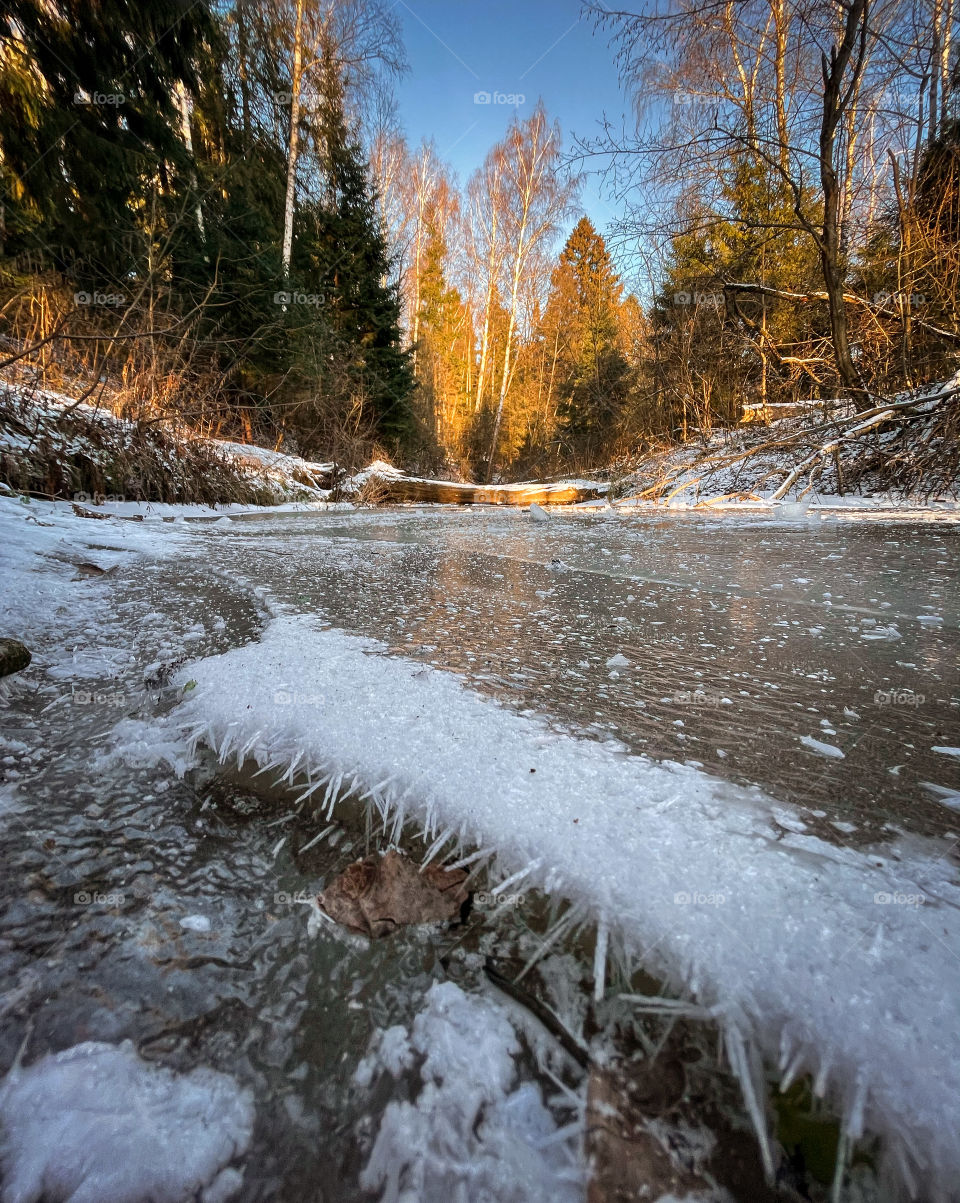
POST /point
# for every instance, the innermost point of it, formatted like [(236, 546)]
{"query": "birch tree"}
[(534, 194), (360, 37)]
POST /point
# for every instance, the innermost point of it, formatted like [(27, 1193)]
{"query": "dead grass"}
[(84, 454)]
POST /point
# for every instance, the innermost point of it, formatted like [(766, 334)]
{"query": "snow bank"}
[(96, 1124), (471, 1132), (806, 952), (140, 459)]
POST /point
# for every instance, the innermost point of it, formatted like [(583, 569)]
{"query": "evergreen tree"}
[(716, 350), (343, 252), (92, 128), (591, 375)]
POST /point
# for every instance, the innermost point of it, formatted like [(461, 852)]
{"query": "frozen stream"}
[(744, 636), (135, 904)]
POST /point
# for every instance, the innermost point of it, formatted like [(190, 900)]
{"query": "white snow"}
[(472, 1132), (949, 797), (40, 544), (96, 1124), (946, 751), (817, 745), (197, 923), (805, 985)]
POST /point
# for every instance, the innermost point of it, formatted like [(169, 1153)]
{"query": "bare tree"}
[(360, 37), (535, 195)]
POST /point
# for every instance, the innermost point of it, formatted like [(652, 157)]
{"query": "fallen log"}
[(391, 490)]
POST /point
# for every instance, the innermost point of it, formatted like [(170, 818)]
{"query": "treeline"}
[(793, 187), (207, 212), (188, 218), (527, 361)]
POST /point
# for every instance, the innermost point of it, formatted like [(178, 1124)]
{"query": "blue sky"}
[(534, 48)]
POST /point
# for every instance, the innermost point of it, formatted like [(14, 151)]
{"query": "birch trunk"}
[(296, 79)]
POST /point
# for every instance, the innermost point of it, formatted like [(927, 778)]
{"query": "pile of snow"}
[(96, 1124), (471, 1132), (792, 943)]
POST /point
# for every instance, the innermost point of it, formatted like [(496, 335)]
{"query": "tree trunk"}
[(295, 84), (837, 93), (183, 101)]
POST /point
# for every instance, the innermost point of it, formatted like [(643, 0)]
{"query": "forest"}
[(479, 625), (210, 216)]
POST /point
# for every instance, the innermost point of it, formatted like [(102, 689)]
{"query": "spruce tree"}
[(91, 126), (347, 258), (583, 319)]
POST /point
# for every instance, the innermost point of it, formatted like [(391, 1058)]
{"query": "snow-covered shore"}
[(751, 466)]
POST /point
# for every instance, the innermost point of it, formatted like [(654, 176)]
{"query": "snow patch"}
[(817, 745), (693, 875), (96, 1124), (471, 1132)]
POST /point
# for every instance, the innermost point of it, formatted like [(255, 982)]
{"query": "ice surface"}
[(801, 947), (40, 544), (471, 1133), (708, 640), (96, 1124)]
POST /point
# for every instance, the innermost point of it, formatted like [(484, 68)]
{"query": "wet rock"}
[(14, 657), (628, 1161), (376, 895)]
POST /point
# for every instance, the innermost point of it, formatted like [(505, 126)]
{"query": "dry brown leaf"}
[(375, 895)]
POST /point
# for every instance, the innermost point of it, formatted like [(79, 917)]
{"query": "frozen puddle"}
[(726, 642), (827, 960)]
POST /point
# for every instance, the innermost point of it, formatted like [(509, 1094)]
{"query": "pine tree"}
[(346, 256), (591, 377)]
